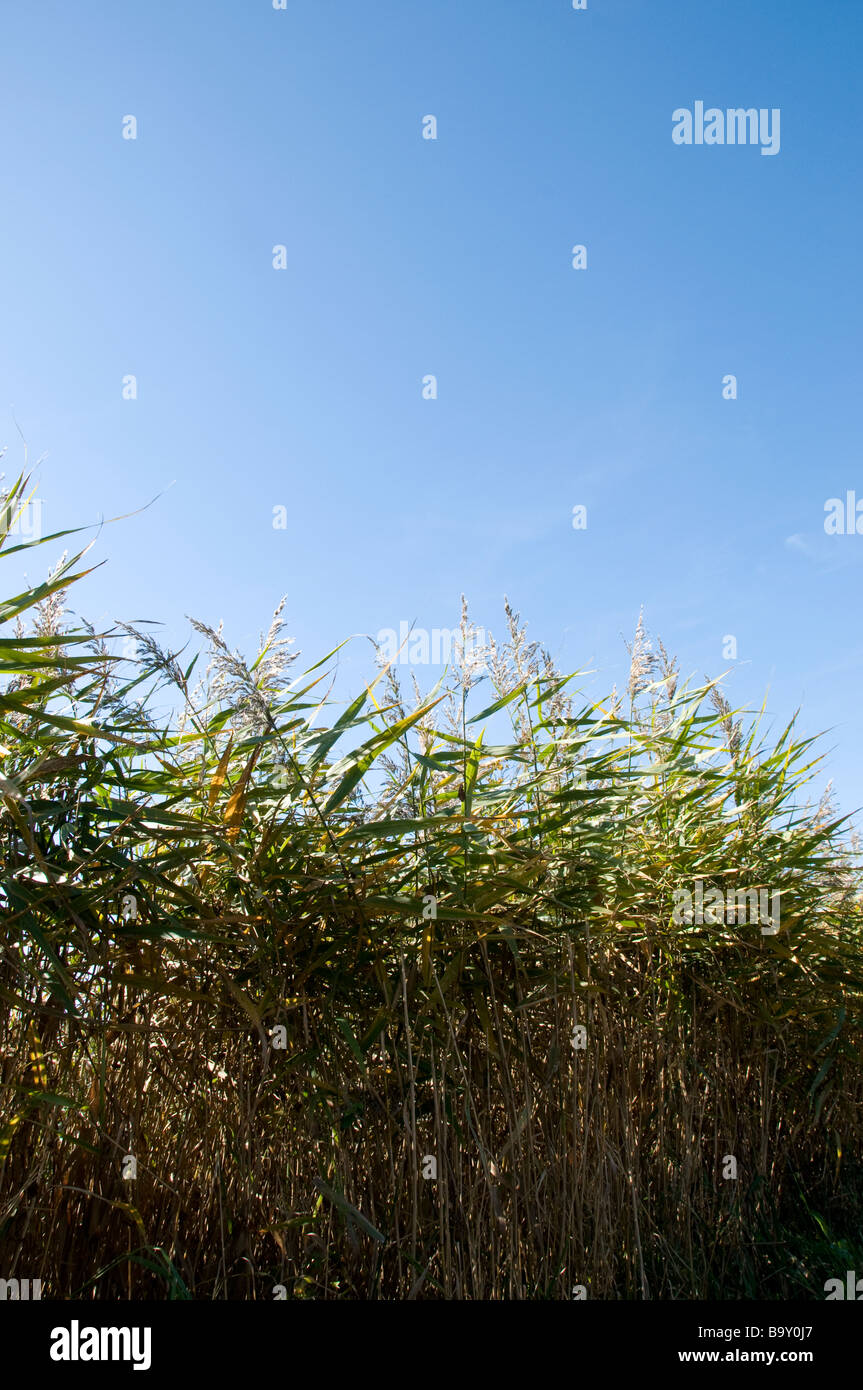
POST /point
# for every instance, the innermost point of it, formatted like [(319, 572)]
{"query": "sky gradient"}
[(302, 387)]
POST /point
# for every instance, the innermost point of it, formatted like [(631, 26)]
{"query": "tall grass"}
[(430, 907)]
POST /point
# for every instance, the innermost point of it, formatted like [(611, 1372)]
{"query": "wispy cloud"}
[(827, 552)]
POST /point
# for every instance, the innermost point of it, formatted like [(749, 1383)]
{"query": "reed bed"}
[(390, 999)]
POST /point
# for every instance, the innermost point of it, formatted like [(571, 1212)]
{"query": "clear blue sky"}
[(302, 387)]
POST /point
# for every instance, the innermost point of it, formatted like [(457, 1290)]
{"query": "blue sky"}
[(406, 257)]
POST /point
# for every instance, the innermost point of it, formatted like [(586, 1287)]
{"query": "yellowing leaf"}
[(221, 772), (8, 1134), (237, 802), (38, 1072)]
